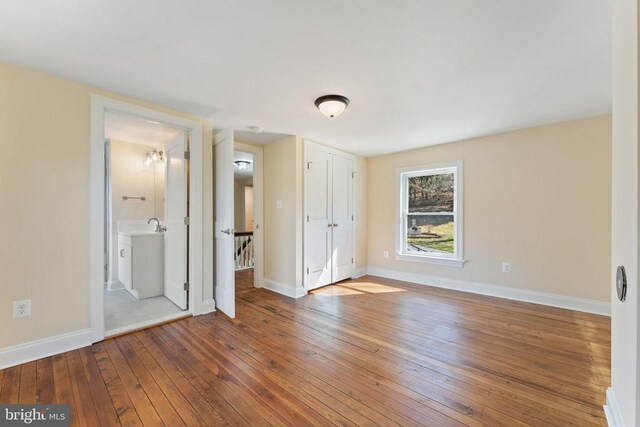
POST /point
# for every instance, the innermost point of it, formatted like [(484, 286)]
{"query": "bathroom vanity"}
[(141, 262)]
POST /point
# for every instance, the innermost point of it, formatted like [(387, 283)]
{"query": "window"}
[(430, 226)]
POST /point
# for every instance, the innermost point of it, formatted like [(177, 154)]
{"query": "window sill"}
[(450, 262)]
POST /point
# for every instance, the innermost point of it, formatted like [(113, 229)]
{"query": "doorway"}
[(146, 201), (163, 221)]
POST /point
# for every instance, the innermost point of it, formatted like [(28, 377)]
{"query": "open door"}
[(224, 233), (175, 237)]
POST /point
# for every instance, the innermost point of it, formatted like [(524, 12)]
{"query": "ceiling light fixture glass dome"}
[(332, 105), (242, 164)]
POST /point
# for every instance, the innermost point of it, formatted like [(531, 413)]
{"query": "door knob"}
[(334, 225), (228, 231)]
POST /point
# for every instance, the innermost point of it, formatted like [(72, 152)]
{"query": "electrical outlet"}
[(22, 308), (385, 254), (506, 267)]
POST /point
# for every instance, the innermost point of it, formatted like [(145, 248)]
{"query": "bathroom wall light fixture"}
[(242, 164), (153, 156), (332, 105)]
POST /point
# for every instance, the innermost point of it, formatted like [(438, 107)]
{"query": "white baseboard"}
[(114, 286), (553, 300), (282, 289), (360, 272), (34, 350), (208, 306), (611, 410)]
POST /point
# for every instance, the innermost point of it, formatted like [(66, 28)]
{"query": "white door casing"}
[(201, 236), (175, 237), (224, 239)]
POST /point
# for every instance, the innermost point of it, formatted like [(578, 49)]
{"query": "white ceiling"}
[(418, 72), (127, 128)]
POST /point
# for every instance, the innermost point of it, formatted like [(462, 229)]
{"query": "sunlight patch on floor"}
[(334, 291), (355, 288)]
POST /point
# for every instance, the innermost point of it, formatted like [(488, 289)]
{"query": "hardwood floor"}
[(365, 352), (244, 280)]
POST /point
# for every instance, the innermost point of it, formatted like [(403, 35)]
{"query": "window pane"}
[(432, 234), (430, 193)]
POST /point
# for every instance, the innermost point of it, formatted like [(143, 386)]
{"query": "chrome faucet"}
[(159, 228)]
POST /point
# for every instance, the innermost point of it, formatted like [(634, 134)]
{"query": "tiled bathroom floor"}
[(122, 309)]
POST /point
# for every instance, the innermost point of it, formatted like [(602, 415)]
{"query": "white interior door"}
[(225, 269), (342, 219), (175, 237), (318, 235)]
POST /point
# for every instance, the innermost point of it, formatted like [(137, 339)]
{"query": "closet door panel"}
[(342, 218), (318, 238)]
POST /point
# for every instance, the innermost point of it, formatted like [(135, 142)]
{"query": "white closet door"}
[(318, 237), (342, 214)]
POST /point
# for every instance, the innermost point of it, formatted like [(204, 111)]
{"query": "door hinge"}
[(351, 260), (307, 218), (353, 175), (186, 286), (187, 221), (351, 217), (307, 270), (309, 165), (187, 155)]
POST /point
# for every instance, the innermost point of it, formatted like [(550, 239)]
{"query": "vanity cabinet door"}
[(124, 264)]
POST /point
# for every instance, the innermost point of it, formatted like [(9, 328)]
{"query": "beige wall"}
[(538, 198), (159, 189), (360, 185), (248, 208), (44, 215), (238, 206), (242, 206), (280, 225), (624, 250)]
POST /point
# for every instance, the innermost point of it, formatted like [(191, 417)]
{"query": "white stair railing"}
[(243, 252)]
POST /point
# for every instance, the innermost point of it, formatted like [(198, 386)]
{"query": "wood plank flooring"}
[(366, 352)]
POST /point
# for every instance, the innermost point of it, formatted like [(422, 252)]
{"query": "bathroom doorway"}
[(146, 235)]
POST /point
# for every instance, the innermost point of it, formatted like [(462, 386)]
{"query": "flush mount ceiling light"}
[(332, 105), (242, 164), (255, 129)]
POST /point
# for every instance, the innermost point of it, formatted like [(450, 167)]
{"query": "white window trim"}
[(457, 260)]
